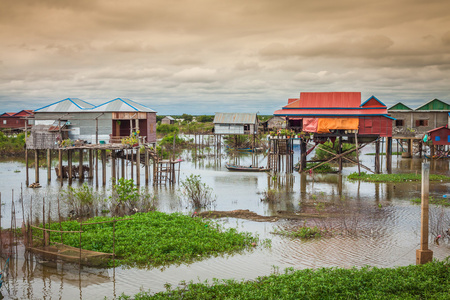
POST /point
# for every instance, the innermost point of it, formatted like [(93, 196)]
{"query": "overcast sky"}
[(206, 56)]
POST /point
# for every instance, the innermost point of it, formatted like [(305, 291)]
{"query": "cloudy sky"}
[(206, 56)]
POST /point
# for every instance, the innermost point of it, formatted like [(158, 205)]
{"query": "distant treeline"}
[(205, 118), (12, 144)]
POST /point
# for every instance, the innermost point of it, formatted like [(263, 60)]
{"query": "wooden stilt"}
[(131, 165), (61, 179), (122, 160), (36, 165), (49, 165), (69, 164), (80, 166), (27, 181), (103, 151), (138, 166), (377, 157), (91, 163), (113, 166), (146, 166), (339, 152), (389, 154), (357, 153), (96, 167)]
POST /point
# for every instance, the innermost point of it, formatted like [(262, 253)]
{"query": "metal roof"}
[(235, 118), (122, 105), (327, 100), (66, 105)]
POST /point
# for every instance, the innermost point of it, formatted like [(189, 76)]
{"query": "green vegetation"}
[(12, 145), (197, 193), (81, 200), (155, 238), (325, 168), (166, 128), (429, 281), (271, 195), (403, 177), (329, 146), (432, 200), (302, 232), (393, 153)]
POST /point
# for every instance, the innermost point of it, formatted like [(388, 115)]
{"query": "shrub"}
[(198, 194), (81, 200)]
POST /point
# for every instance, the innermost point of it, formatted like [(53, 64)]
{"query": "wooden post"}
[(131, 165), (146, 166), (60, 166), (339, 152), (69, 165), (26, 168), (138, 166), (377, 157), (104, 166), (91, 163), (113, 166), (357, 153), (389, 155), (123, 166), (303, 157), (410, 147), (80, 166), (424, 255), (96, 167), (49, 165), (36, 165)]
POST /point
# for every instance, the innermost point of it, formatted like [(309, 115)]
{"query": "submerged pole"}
[(424, 255), (27, 180), (36, 165), (49, 165)]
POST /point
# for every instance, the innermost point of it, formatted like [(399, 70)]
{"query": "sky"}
[(207, 56)]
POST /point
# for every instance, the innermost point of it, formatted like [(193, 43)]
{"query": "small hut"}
[(168, 120), (236, 123)]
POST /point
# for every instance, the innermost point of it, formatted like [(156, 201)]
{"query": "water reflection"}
[(388, 226)]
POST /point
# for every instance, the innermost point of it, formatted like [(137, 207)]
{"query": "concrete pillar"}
[(424, 255)]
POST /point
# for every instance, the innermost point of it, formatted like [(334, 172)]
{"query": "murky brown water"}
[(387, 223)]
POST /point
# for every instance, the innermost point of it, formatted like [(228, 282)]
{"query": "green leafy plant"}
[(197, 193), (399, 177), (81, 200)]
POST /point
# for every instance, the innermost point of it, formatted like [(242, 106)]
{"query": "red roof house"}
[(15, 120), (440, 135), (324, 112)]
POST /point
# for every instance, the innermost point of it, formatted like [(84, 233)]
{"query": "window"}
[(437, 139), (399, 123), (4, 122), (421, 123)]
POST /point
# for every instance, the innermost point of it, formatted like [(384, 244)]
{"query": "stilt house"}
[(236, 123), (331, 113), (79, 120)]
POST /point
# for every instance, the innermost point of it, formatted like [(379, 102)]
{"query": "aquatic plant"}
[(324, 168), (401, 177), (302, 232), (155, 238), (271, 195), (329, 146), (80, 200), (429, 281), (197, 193), (432, 200), (127, 198)]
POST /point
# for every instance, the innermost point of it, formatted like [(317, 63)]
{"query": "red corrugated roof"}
[(330, 112), (23, 113), (327, 100)]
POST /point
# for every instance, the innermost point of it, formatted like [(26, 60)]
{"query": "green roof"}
[(434, 104), (399, 106)]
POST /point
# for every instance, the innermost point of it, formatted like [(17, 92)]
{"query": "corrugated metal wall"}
[(229, 129)]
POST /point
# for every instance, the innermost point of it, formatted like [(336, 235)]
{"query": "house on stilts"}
[(322, 116)]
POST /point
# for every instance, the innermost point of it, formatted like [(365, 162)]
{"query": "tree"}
[(187, 117)]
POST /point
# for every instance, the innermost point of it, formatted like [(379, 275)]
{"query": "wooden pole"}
[(377, 157), (339, 152), (69, 165), (389, 154), (49, 165), (27, 181), (131, 165), (357, 153), (424, 255), (96, 167), (80, 166), (91, 163), (104, 166), (113, 166), (60, 166), (36, 165), (123, 166), (146, 166), (138, 166)]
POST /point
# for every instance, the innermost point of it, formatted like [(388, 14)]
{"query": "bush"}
[(166, 128), (81, 200), (328, 145), (126, 198), (198, 194)]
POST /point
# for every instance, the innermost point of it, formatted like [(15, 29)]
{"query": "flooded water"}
[(388, 227)]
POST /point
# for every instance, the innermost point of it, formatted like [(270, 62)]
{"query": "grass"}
[(429, 281), (302, 232), (325, 168), (432, 200), (403, 177), (393, 153), (155, 238)]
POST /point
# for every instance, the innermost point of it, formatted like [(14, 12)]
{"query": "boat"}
[(245, 168)]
